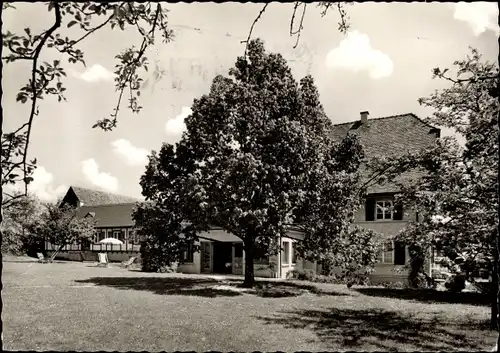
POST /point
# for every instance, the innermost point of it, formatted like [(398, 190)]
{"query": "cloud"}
[(95, 73), (132, 155), (481, 16), (42, 185), (176, 125), (355, 53), (106, 181)]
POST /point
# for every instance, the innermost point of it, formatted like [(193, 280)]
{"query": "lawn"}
[(77, 306)]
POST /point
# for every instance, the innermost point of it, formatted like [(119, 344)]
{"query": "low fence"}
[(114, 247), (95, 247)]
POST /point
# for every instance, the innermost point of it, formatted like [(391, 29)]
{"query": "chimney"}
[(364, 117)]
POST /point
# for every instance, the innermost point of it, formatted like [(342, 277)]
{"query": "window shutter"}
[(398, 214), (399, 253), (370, 210)]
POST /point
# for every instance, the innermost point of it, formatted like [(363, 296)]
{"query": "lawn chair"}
[(129, 262), (103, 260), (41, 258)]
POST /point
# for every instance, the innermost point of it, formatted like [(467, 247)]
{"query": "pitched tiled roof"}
[(118, 215), (390, 137), (91, 197)]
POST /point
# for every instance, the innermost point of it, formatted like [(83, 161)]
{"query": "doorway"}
[(223, 257)]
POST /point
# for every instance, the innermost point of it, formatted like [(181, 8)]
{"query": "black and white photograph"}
[(258, 176)]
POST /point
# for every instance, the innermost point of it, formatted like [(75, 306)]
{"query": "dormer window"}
[(384, 209)]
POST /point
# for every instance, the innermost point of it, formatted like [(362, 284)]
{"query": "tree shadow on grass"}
[(165, 285), (376, 329), (428, 296), (282, 289), (206, 287)]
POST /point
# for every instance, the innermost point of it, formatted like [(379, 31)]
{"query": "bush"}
[(393, 285), (455, 283), (172, 268), (302, 274)]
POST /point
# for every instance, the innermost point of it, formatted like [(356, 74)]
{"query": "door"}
[(206, 257)]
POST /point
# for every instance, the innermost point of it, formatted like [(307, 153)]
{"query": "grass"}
[(77, 306)]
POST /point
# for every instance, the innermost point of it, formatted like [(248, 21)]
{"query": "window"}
[(385, 255), (101, 234), (118, 234), (392, 253), (384, 209), (188, 255), (294, 253), (286, 253)]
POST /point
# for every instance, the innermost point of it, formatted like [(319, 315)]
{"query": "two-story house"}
[(388, 136)]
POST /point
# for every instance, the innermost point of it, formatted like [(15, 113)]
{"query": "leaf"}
[(22, 98), (71, 23)]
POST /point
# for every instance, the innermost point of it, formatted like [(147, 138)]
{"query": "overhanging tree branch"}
[(57, 24)]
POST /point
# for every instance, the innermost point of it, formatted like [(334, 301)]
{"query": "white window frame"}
[(190, 252), (286, 253), (293, 254), (385, 210), (393, 256), (381, 259)]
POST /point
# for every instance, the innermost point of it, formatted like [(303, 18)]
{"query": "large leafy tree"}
[(457, 199), (19, 219), (255, 159), (60, 226)]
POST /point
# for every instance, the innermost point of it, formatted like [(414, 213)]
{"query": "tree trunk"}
[(249, 270), (493, 293), (496, 253)]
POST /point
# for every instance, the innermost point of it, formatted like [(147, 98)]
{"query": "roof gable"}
[(89, 197), (389, 136)]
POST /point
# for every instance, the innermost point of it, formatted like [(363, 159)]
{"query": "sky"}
[(382, 65)]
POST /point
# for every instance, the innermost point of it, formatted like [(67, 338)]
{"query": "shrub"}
[(168, 269), (393, 285), (302, 274), (455, 283)]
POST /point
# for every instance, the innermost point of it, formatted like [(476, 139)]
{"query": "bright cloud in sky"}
[(481, 16), (132, 155), (355, 53), (94, 73), (176, 125), (42, 186), (104, 180)]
